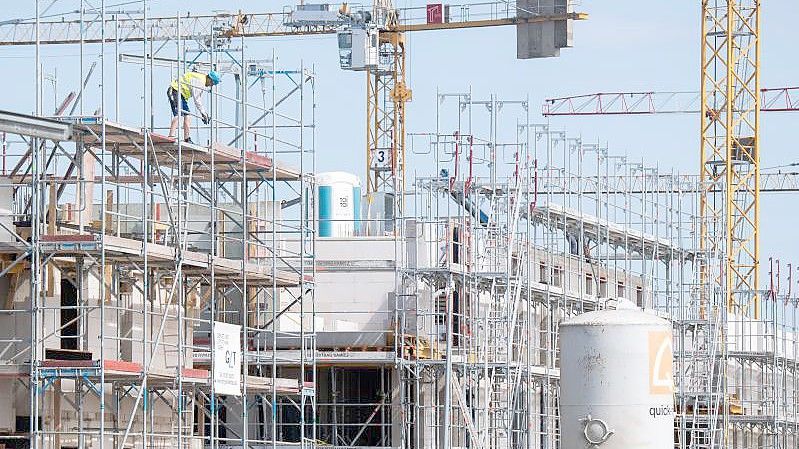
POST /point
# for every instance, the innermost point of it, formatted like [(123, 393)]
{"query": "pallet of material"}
[(417, 347)]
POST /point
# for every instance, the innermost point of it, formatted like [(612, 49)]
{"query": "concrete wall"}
[(126, 221), (356, 278), (355, 281)]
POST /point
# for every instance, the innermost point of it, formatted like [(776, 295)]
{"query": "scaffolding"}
[(154, 286), (519, 227), (515, 232)]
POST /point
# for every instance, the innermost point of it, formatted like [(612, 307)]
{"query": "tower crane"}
[(776, 99), (730, 102), (780, 99), (370, 40)]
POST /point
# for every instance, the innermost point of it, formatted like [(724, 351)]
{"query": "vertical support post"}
[(104, 270), (35, 262)]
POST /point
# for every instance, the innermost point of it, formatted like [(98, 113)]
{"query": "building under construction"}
[(225, 293)]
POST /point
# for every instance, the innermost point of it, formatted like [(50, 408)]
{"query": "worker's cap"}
[(214, 77)]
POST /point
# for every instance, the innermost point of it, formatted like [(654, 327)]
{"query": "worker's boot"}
[(188, 140)]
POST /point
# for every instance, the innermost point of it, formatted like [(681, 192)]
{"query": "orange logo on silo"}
[(661, 380)]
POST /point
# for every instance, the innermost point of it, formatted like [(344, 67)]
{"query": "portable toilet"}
[(338, 208)]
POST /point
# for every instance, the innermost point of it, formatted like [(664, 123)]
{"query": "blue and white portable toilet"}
[(338, 196)]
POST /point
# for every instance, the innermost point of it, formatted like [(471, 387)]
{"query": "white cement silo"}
[(616, 381)]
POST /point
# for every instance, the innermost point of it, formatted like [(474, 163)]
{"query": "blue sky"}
[(625, 45)]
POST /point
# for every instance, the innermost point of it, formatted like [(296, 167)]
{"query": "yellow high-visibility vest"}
[(185, 85)]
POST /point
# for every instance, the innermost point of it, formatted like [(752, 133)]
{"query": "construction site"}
[(227, 285)]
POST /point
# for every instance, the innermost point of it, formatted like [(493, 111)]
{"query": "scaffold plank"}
[(228, 162), (598, 229), (122, 249), (132, 372)]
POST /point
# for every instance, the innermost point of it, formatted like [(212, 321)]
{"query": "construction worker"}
[(192, 85)]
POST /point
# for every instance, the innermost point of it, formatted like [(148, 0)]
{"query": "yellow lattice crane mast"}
[(730, 158), (386, 96), (730, 183)]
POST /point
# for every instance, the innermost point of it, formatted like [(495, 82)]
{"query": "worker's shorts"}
[(172, 94)]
